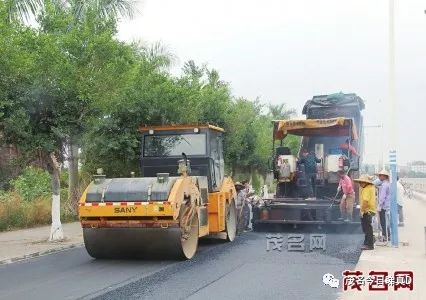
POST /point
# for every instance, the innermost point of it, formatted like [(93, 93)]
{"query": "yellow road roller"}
[(183, 195)]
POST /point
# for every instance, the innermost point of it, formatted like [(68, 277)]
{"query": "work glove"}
[(344, 197)]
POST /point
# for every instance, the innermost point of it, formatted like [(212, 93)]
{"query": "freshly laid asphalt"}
[(239, 270)]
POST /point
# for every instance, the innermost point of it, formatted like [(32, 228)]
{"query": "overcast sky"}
[(287, 51)]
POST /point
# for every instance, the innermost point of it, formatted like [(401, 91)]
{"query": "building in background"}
[(414, 169), (403, 170), (418, 167)]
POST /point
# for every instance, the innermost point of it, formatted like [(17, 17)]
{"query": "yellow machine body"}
[(158, 213), (170, 224)]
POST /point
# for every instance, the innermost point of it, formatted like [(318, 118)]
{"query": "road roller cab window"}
[(174, 145), (162, 147)]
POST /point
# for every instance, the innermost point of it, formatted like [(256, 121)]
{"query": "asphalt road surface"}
[(239, 270)]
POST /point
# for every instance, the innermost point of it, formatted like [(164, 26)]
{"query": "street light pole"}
[(393, 128)]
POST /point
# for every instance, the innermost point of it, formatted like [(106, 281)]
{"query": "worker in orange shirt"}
[(347, 146)]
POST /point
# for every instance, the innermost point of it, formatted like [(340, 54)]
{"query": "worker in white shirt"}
[(400, 201)]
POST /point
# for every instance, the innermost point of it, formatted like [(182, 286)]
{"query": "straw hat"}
[(383, 172), (364, 179)]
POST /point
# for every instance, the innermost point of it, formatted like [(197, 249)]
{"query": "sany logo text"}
[(118, 210)]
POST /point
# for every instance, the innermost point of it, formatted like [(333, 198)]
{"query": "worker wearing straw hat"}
[(367, 201), (384, 202)]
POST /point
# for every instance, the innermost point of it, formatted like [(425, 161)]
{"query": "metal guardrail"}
[(415, 184)]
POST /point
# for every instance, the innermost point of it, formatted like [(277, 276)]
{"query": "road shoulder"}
[(22, 244), (409, 256)]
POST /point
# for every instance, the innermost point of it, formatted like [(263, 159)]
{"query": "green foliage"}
[(249, 135), (64, 177), (54, 79), (152, 96), (21, 10), (52, 76), (25, 10), (256, 182), (16, 213), (70, 80), (5, 176), (33, 183)]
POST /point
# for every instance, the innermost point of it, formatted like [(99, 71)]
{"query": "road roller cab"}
[(162, 147), (183, 195)]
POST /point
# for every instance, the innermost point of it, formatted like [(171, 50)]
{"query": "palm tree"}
[(280, 111), (27, 10), (22, 10), (156, 54), (103, 9)]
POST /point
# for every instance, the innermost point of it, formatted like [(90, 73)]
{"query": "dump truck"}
[(182, 195), (333, 132)]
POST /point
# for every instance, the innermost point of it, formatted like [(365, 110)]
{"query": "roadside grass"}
[(17, 213), (28, 201)]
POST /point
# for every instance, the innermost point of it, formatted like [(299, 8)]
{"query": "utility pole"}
[(393, 127)]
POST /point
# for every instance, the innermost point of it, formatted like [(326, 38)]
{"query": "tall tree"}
[(22, 10), (149, 96), (280, 111), (102, 9), (94, 13), (65, 66), (28, 10)]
